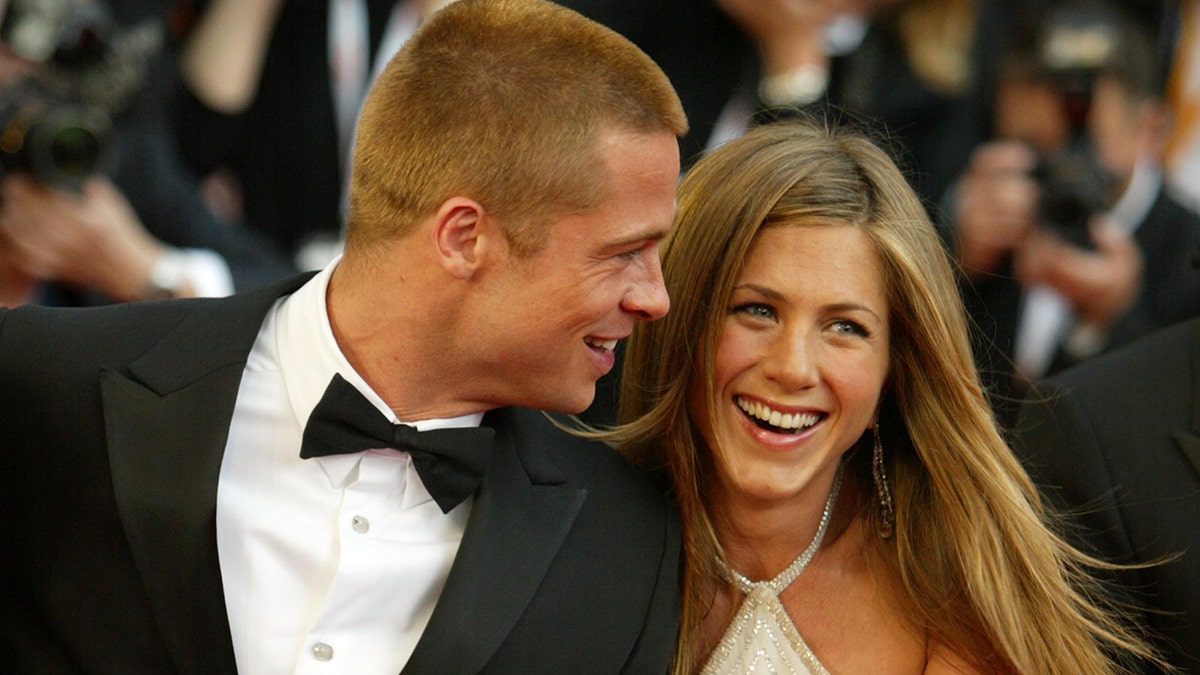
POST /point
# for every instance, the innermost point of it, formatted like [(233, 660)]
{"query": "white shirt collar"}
[(309, 356), (1144, 186)]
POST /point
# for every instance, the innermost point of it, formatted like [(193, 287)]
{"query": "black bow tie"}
[(451, 462)]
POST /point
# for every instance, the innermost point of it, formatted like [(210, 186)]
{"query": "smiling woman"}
[(840, 474), (798, 368)]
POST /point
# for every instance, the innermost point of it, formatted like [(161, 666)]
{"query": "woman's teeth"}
[(791, 422), (601, 344)]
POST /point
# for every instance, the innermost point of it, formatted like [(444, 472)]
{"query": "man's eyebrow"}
[(648, 235)]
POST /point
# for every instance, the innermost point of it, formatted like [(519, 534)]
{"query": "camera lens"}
[(74, 151), (60, 143)]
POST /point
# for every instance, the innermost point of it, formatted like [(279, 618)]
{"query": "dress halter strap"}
[(789, 574)]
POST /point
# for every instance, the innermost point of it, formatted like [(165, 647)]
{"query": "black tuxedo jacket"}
[(114, 421), (1117, 441)]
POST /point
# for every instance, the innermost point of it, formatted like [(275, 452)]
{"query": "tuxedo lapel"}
[(518, 522), (165, 453), (166, 426)]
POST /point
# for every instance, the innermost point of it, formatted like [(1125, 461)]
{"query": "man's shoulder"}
[(550, 450), (1153, 358), (72, 334), (39, 337), (129, 315), (1146, 386)]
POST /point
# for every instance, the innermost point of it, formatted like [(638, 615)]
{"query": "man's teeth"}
[(601, 344), (790, 421)]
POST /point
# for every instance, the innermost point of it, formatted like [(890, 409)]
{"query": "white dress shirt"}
[(333, 564)]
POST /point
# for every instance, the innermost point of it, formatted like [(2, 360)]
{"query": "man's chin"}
[(570, 405)]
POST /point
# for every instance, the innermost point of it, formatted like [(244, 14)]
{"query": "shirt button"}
[(360, 524), (322, 652)]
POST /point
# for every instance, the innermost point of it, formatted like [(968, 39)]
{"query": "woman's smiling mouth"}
[(774, 420)]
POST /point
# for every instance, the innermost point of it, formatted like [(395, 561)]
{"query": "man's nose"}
[(648, 297)]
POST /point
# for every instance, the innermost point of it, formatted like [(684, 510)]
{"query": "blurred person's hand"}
[(16, 287), (995, 205), (428, 7), (1101, 284), (92, 240), (788, 33)]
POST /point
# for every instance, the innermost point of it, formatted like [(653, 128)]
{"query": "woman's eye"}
[(755, 309), (848, 327)]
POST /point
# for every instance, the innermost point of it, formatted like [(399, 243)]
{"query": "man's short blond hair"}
[(501, 101)]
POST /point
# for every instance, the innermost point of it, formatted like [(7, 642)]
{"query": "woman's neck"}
[(760, 537)]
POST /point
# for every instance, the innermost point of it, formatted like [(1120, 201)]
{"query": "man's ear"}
[(461, 233)]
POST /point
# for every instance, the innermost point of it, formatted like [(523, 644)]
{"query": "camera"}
[(1074, 185), (1075, 43), (56, 118), (59, 142)]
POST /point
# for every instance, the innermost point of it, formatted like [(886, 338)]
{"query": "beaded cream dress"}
[(762, 638)]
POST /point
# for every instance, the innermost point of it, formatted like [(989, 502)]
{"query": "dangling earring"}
[(887, 520)]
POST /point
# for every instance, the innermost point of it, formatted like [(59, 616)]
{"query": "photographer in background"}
[(1067, 242), (94, 206)]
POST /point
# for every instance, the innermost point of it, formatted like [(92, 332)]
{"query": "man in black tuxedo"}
[(210, 486), (1116, 442)]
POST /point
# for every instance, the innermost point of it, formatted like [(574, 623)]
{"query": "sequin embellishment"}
[(762, 638)]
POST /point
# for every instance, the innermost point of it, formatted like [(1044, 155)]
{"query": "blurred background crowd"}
[(155, 148)]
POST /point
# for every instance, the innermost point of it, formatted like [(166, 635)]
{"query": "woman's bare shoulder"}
[(945, 661)]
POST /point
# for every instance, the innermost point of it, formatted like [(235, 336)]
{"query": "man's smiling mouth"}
[(603, 345)]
